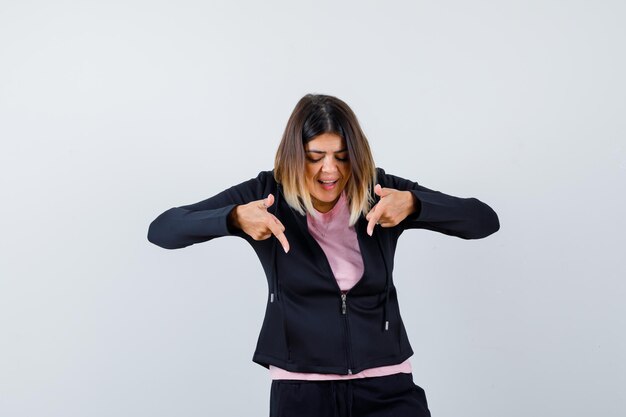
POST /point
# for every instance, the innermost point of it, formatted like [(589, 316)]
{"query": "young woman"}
[(325, 223)]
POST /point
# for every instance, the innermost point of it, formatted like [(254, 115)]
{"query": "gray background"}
[(112, 112)]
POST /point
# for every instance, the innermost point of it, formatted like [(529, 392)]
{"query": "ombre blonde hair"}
[(314, 115)]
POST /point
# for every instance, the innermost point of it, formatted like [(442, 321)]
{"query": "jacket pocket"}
[(273, 336), (371, 339)]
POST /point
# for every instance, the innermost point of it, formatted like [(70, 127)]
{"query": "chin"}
[(325, 197)]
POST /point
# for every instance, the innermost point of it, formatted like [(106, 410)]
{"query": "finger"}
[(385, 224), (278, 230), (262, 203), (275, 224), (268, 201), (382, 192), (371, 212), (373, 220), (283, 241)]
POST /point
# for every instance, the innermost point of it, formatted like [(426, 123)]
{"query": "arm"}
[(467, 218), (182, 226)]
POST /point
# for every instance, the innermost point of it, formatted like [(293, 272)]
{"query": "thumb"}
[(380, 191), (268, 201)]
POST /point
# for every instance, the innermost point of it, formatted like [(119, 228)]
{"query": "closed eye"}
[(310, 152), (312, 160)]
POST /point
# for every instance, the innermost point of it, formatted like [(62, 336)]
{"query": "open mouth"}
[(328, 184)]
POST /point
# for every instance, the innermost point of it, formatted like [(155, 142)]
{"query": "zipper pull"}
[(343, 303)]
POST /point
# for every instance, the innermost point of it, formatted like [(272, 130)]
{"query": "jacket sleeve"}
[(467, 218), (182, 226)]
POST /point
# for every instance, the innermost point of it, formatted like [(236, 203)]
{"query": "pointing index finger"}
[(278, 229), (373, 220)]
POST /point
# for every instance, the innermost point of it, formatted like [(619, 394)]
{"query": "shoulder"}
[(253, 188), (267, 179), (265, 175), (262, 178), (389, 180)]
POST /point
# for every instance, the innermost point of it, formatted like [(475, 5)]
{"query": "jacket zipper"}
[(344, 313), (343, 294), (344, 307)]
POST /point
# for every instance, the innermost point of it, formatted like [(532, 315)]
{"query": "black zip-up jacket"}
[(310, 325)]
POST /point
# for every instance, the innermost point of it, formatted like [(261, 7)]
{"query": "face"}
[(327, 170)]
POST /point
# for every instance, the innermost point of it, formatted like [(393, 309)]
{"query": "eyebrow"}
[(322, 152)]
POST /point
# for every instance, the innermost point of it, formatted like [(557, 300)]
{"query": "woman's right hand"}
[(255, 221)]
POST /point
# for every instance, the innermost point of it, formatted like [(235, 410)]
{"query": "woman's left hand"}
[(393, 207)]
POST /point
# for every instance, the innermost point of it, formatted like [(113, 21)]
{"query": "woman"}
[(332, 337)]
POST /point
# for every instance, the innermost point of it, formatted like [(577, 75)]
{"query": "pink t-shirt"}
[(339, 243)]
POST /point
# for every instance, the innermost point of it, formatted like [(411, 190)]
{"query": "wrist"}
[(233, 218), (410, 202)]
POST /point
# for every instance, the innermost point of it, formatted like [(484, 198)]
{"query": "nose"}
[(329, 165)]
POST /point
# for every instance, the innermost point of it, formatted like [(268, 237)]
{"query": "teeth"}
[(328, 182)]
